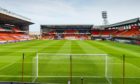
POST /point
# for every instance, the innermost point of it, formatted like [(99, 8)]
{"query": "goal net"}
[(72, 68)]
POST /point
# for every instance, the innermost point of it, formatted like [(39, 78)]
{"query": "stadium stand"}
[(125, 31), (8, 34), (13, 27), (124, 28), (66, 32), (128, 30)]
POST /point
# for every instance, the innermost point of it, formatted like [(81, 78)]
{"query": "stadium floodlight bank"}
[(73, 66)]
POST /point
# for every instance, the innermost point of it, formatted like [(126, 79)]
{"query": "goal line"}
[(64, 54)]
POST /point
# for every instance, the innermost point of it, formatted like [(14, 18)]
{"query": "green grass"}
[(56, 69)]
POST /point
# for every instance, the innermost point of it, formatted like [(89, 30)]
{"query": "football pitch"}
[(59, 61)]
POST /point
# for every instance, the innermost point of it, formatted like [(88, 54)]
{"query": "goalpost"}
[(35, 68), (100, 63)]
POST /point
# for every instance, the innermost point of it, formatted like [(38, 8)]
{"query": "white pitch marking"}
[(27, 76), (73, 54)]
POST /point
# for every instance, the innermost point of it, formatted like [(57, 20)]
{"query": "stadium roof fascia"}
[(15, 16), (131, 21), (67, 26), (100, 26)]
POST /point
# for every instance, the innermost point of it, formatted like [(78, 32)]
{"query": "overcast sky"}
[(72, 11)]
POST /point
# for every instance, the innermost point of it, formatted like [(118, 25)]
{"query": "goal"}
[(72, 68)]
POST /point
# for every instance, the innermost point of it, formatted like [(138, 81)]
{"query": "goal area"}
[(72, 68)]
